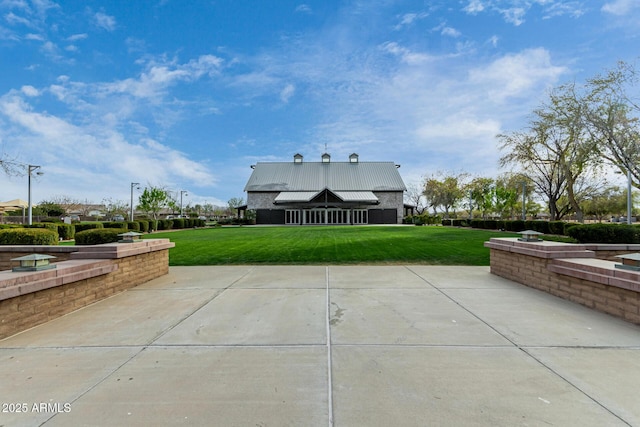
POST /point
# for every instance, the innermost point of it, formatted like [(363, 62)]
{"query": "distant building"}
[(326, 192)]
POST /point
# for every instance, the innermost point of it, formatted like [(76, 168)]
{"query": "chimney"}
[(297, 158)]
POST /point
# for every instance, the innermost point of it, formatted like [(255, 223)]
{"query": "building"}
[(326, 192)]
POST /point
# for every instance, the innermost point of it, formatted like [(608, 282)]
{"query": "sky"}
[(187, 95)]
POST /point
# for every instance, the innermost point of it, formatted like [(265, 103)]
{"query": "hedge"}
[(605, 233), (82, 226), (28, 236), (99, 236), (165, 224), (66, 231)]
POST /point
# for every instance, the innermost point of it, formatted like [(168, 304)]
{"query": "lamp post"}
[(31, 168), (629, 200), (181, 193), (524, 198), (133, 185)]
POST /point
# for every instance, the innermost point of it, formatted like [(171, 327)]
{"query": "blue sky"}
[(188, 94)]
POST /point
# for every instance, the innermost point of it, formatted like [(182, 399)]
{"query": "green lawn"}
[(330, 245)]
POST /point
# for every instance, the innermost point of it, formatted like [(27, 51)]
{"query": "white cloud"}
[(451, 32), (76, 37), (104, 21), (405, 54), (29, 90), (409, 18), (304, 8), (286, 93), (620, 7), (474, 7), (517, 75)]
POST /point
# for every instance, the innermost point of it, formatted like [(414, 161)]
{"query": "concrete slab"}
[(414, 386), (255, 317), (209, 387), (405, 316), (55, 377), (129, 318), (460, 276), (530, 317), (325, 345), (385, 276), (605, 374), (199, 278), (283, 277)]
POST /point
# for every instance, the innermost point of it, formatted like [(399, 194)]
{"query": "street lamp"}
[(31, 168), (136, 186), (181, 193)]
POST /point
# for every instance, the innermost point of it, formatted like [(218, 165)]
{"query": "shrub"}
[(516, 225), (165, 224), (539, 226), (153, 225), (477, 223), (144, 225), (557, 227), (490, 224), (113, 224), (460, 223), (178, 223), (99, 236), (82, 226), (48, 226), (604, 233), (132, 225), (28, 236), (66, 231)]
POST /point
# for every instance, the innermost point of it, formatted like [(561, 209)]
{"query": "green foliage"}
[(66, 231), (47, 225), (46, 208), (605, 233), (144, 225), (132, 225), (557, 227), (28, 236), (113, 224), (99, 236), (165, 224), (153, 200), (539, 226), (179, 223), (82, 226)]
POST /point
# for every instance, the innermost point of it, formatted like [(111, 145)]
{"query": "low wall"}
[(571, 272), (90, 274)]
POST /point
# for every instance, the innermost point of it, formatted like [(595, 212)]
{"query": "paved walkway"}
[(323, 346)]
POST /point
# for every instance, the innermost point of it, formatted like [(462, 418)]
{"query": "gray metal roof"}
[(316, 176)]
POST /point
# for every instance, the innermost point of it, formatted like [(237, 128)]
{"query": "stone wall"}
[(570, 272), (93, 273)]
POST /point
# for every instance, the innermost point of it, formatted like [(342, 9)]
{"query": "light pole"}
[(524, 198), (30, 169), (181, 193), (629, 200), (133, 185)]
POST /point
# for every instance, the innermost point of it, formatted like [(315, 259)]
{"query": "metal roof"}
[(316, 176)]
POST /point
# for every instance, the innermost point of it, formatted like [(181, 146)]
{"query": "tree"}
[(611, 116), (444, 193), (115, 207), (414, 197), (607, 201), (153, 200), (234, 203), (48, 208), (480, 193)]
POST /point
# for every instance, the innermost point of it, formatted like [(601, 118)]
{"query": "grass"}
[(330, 245)]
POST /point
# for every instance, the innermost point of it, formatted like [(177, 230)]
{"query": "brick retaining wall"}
[(571, 272), (92, 274)]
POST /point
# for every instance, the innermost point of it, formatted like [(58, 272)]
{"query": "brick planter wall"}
[(570, 272), (93, 273)]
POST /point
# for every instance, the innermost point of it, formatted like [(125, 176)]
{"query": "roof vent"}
[(353, 158), (297, 158), (326, 158)]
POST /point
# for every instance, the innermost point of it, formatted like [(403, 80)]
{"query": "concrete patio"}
[(322, 346)]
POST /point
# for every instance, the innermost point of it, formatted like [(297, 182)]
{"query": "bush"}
[(516, 225), (66, 231), (604, 233), (490, 224), (144, 225), (165, 224), (153, 225), (99, 236), (178, 223), (539, 226), (460, 223), (113, 224), (82, 226), (557, 227), (132, 225), (28, 236), (477, 223)]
